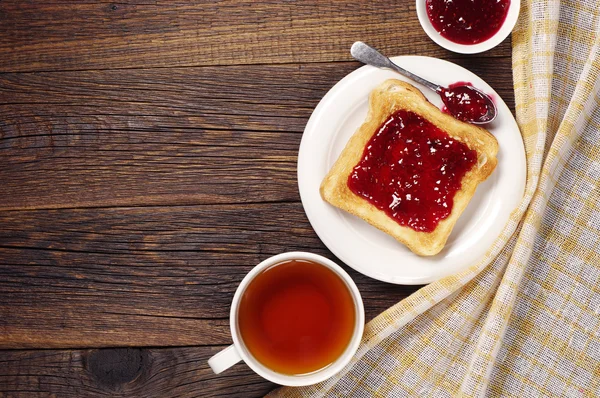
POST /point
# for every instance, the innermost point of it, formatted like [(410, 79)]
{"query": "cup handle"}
[(224, 359)]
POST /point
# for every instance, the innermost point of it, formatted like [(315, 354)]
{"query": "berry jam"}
[(411, 170), (463, 103), (467, 21)]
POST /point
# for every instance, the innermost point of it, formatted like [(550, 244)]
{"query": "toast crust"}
[(389, 97)]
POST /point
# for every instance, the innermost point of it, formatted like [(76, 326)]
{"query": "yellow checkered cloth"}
[(525, 321)]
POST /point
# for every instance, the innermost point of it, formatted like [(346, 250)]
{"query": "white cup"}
[(238, 351)]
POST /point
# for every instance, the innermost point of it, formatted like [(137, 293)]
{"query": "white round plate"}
[(365, 248)]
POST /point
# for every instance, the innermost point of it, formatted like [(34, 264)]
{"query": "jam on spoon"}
[(462, 100), (464, 103), (467, 21)]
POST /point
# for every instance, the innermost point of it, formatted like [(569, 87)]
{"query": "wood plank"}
[(161, 137), (154, 372), (144, 276), (57, 35)]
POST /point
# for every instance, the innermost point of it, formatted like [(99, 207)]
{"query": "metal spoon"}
[(370, 56)]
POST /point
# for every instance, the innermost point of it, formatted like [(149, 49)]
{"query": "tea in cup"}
[(296, 319)]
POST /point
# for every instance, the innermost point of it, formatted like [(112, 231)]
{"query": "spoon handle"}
[(370, 56)]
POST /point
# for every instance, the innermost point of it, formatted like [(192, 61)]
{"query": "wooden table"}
[(147, 162)]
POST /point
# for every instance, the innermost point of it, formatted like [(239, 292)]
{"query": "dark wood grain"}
[(151, 276), (142, 372), (58, 35), (162, 137)]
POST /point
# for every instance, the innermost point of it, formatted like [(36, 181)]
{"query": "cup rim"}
[(319, 375), (497, 38)]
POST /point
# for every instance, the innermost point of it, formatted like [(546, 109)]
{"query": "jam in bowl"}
[(468, 26)]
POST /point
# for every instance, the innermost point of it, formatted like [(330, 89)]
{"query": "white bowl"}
[(507, 27)]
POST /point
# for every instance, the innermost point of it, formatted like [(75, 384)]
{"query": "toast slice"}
[(391, 98)]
